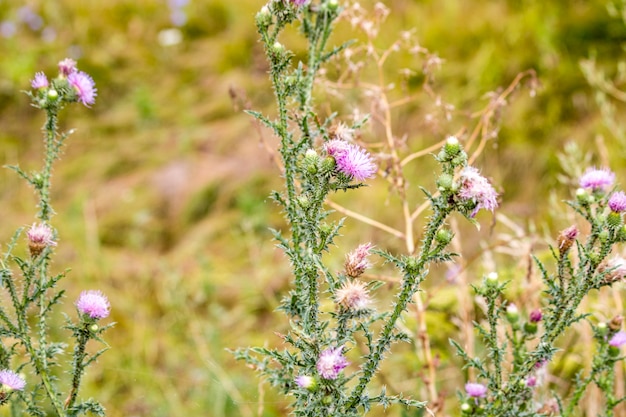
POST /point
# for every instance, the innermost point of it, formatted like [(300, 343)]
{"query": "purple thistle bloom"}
[(67, 67), (475, 390), (331, 362), (84, 86), (617, 202), (94, 304), (299, 2), (11, 380), (535, 316), (476, 188), (618, 339), (351, 160), (597, 178), (40, 81), (40, 234)]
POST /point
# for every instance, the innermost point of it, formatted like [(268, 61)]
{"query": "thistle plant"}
[(320, 367), (35, 378), (506, 380)]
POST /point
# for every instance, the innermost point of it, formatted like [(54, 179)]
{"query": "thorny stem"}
[(78, 365)]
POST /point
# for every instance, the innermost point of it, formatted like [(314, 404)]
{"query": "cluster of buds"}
[(353, 295), (71, 85)]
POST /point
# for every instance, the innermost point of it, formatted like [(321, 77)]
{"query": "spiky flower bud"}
[(491, 280), (512, 313), (39, 237), (264, 17), (353, 296), (444, 236), (616, 323), (566, 239), (356, 261)]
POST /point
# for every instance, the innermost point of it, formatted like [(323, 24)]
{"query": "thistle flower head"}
[(353, 295), (475, 390), (84, 86), (617, 202), (618, 339), (476, 188), (93, 304), (39, 237), (67, 66), (535, 316), (305, 381), (40, 81), (11, 381), (331, 362), (356, 261), (351, 160), (597, 179), (567, 238)]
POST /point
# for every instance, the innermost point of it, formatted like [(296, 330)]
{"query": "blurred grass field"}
[(162, 195)]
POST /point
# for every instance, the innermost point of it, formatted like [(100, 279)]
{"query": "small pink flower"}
[(299, 2), (11, 380), (535, 316), (475, 390), (94, 304), (40, 81), (531, 381), (331, 362), (597, 179), (356, 261), (618, 339), (67, 67), (84, 86), (39, 237), (617, 202), (476, 188)]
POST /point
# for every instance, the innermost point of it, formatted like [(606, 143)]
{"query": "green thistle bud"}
[(445, 182), (278, 48), (614, 220), (304, 201), (602, 329), (466, 408), (444, 236), (512, 313), (94, 328), (604, 235), (411, 265), (332, 5), (583, 197), (311, 158), (491, 280), (53, 94), (264, 17), (328, 165), (614, 351), (530, 328)]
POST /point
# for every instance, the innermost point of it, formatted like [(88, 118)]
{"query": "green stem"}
[(78, 365)]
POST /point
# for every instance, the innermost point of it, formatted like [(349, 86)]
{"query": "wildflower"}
[(299, 2), (84, 86), (351, 160), (306, 382), (531, 381), (476, 188), (40, 81), (331, 362), (11, 381), (94, 304), (356, 261), (475, 390), (597, 179), (535, 316), (618, 339), (566, 239), (617, 202), (39, 237), (67, 67), (353, 295)]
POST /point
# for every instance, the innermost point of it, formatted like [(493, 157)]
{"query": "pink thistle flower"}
[(39, 237), (351, 160), (476, 188), (618, 339), (331, 362), (535, 316), (299, 2), (306, 382), (531, 381), (617, 202), (84, 86), (475, 390), (12, 381), (356, 261), (94, 304), (67, 67), (597, 179), (353, 295), (40, 81)]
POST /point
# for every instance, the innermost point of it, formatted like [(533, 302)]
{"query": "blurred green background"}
[(161, 196)]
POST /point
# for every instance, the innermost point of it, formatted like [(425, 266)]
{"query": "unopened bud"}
[(491, 279), (512, 313), (535, 316), (264, 17), (278, 48), (445, 182), (530, 328), (444, 236), (328, 164), (466, 408), (602, 329), (356, 261), (94, 328), (566, 239), (583, 197), (53, 94), (452, 146), (616, 323), (614, 220)]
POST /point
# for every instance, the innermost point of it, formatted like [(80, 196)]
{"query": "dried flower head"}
[(618, 339), (93, 304), (617, 202), (40, 81), (476, 188), (475, 390), (356, 261), (331, 362), (84, 86), (615, 270), (353, 295), (39, 237), (11, 381), (566, 239), (597, 179), (67, 67)]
